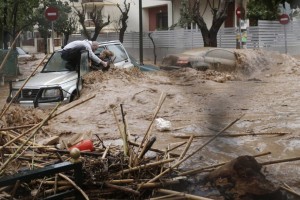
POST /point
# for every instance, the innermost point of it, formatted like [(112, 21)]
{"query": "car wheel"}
[(74, 96)]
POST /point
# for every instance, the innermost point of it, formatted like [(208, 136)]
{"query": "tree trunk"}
[(219, 16), (66, 39), (122, 32)]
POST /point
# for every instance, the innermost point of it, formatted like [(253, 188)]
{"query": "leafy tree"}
[(263, 9), (123, 19), (97, 19), (16, 15), (190, 12), (266, 9), (64, 24)]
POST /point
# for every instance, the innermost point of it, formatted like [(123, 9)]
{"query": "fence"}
[(269, 35)]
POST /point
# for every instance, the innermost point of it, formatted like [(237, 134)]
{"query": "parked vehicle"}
[(57, 83), (22, 55)]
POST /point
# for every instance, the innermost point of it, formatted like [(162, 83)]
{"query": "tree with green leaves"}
[(64, 24), (266, 9), (123, 19), (17, 15), (190, 12), (97, 19)]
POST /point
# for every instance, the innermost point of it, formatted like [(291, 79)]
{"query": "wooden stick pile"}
[(109, 172)]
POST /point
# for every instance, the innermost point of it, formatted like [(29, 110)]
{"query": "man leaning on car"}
[(72, 53)]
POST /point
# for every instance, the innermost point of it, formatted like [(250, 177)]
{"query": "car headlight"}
[(13, 93), (51, 93)]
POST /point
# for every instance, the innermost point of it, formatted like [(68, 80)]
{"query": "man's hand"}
[(104, 64)]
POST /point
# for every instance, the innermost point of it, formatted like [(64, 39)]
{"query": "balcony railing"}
[(89, 1)]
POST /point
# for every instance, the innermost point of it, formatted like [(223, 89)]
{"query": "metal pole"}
[(52, 34), (240, 33), (285, 39), (141, 32)]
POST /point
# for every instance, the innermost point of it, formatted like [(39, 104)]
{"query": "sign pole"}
[(51, 13), (52, 35), (284, 20), (240, 32), (285, 39)]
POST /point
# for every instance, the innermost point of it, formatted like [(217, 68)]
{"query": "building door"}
[(158, 18), (229, 22)]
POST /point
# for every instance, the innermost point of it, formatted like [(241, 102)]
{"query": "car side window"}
[(99, 50), (119, 53)]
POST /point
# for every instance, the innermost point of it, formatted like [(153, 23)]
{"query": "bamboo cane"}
[(13, 192), (186, 148), (61, 188), (280, 161), (187, 157), (77, 103), (125, 136), (290, 191), (76, 186), (32, 147), (122, 181), (157, 184), (189, 196), (179, 145), (105, 152), (19, 149), (201, 169), (122, 133), (231, 135), (153, 149), (9, 135), (160, 102), (20, 89), (55, 115), (164, 197), (147, 146), (148, 165), (54, 182), (124, 189), (16, 127)]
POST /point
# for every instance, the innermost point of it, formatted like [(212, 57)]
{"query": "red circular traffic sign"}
[(284, 19), (51, 13)]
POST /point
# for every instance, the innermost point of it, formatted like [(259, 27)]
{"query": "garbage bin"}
[(10, 67)]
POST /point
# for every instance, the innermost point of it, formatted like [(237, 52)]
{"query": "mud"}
[(264, 87)]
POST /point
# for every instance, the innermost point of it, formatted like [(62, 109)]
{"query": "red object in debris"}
[(84, 145)]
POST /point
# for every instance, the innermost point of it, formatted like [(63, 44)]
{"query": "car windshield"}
[(55, 63)]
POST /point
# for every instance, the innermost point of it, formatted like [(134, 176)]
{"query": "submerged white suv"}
[(56, 83)]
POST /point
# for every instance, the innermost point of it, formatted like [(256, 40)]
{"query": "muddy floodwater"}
[(201, 104)]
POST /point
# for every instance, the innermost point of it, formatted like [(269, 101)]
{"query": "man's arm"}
[(95, 58)]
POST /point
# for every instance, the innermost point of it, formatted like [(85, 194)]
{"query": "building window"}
[(162, 21)]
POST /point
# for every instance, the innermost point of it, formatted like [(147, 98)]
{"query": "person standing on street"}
[(72, 53)]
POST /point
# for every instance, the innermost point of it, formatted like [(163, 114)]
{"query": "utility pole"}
[(141, 32)]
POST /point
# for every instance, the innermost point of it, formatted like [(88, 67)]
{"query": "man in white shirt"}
[(72, 53)]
